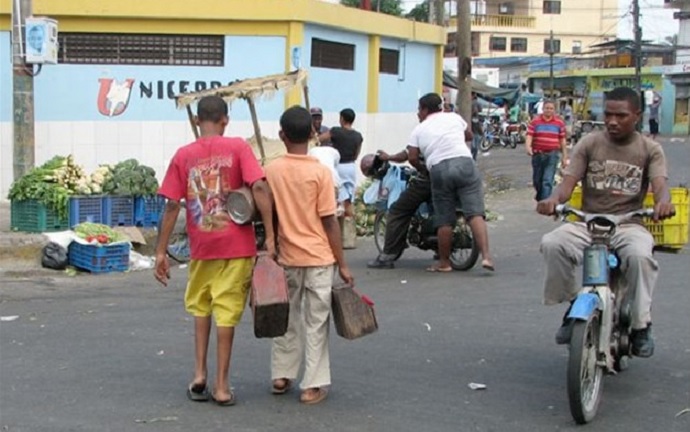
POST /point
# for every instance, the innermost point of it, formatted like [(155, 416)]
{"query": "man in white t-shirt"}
[(455, 180)]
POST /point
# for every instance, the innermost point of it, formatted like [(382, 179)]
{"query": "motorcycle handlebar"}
[(565, 210)]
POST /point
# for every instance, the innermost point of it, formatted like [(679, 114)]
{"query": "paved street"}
[(114, 353)]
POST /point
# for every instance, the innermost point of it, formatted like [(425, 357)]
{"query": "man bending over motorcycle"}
[(616, 167), (400, 214), (441, 139)]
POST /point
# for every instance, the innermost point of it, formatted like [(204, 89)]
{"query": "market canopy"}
[(483, 90)]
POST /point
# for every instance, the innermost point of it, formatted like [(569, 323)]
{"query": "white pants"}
[(563, 250), (307, 333)]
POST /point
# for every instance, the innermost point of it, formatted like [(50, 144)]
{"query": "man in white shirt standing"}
[(455, 180)]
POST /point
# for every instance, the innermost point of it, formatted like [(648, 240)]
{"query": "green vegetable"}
[(130, 178), (89, 229)]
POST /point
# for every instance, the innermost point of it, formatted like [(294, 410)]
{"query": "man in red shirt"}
[(545, 144), (203, 173)]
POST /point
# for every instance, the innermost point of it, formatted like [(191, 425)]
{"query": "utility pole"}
[(551, 52), (638, 46), (464, 52), (439, 8), (22, 94)]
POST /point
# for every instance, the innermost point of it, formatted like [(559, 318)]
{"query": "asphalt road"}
[(114, 352)]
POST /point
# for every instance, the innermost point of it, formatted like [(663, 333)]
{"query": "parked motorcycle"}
[(494, 135)]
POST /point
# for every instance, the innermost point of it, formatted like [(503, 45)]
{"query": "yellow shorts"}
[(219, 288)]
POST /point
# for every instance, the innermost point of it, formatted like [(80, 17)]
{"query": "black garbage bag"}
[(54, 257)]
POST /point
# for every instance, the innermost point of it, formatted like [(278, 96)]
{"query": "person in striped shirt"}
[(546, 144)]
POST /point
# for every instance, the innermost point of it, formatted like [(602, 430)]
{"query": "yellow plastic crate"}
[(671, 233)]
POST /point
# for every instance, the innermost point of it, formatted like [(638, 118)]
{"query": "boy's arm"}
[(332, 228), (264, 203), (172, 210)]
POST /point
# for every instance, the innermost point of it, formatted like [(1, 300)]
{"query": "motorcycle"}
[(601, 315), (422, 233), (494, 135)]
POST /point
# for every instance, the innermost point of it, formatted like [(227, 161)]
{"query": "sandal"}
[(436, 269), (281, 386), (224, 403), (197, 392), (319, 393)]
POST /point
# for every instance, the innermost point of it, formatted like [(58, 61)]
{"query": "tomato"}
[(102, 238)]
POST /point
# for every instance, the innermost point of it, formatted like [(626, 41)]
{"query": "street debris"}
[(403, 281), (138, 261), (161, 352), (9, 318), (477, 386), (683, 412), (428, 326), (157, 419), (183, 266)]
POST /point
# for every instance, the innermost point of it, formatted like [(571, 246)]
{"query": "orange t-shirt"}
[(303, 192)]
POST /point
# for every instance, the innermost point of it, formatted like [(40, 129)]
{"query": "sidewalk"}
[(18, 250)]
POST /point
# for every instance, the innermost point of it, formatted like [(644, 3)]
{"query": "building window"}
[(389, 61), (506, 8), (518, 44), (332, 55), (577, 47), (141, 49), (497, 43), (552, 46), (552, 7)]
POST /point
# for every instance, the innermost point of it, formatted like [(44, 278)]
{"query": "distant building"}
[(679, 73)]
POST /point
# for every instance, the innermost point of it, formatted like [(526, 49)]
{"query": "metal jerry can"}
[(595, 265)]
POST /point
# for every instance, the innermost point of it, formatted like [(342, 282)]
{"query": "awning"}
[(484, 91)]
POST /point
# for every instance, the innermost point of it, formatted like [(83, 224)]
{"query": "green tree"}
[(390, 7), (420, 12)]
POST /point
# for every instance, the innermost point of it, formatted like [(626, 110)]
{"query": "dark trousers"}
[(400, 214), (544, 167)]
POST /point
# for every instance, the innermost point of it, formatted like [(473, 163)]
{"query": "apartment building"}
[(679, 74), (522, 27)]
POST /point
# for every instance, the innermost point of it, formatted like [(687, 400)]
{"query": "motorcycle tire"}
[(463, 258), (585, 378), (380, 232), (513, 141), (485, 144)]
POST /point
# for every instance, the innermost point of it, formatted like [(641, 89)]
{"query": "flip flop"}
[(434, 269), (197, 392), (224, 403), (279, 390), (489, 267), (321, 395)]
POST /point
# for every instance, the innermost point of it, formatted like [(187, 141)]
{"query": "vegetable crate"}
[(34, 216), (99, 259), (86, 209), (118, 210), (671, 233), (148, 211)]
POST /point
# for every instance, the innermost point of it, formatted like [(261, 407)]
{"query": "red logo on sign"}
[(113, 96)]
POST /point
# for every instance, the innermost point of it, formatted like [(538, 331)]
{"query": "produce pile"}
[(364, 214), (93, 184), (98, 233), (51, 184), (130, 178)]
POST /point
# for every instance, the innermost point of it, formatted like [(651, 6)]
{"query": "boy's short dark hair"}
[(348, 114), (624, 94), (211, 109), (432, 102), (296, 124)]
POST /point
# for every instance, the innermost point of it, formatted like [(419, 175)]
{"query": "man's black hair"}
[(432, 102), (348, 114), (625, 94), (212, 109), (296, 124)]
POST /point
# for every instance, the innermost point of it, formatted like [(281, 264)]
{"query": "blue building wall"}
[(68, 92), (335, 89), (5, 77), (399, 93)]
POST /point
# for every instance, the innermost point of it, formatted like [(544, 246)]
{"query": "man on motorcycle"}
[(616, 168), (400, 214)]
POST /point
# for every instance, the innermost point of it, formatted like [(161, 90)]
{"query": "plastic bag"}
[(54, 256)]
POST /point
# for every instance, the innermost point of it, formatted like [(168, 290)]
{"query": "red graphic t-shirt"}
[(203, 173)]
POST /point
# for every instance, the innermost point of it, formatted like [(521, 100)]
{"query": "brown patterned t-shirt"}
[(615, 177)]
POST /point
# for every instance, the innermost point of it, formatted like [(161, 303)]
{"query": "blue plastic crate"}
[(86, 209), (118, 210), (99, 259), (148, 211)]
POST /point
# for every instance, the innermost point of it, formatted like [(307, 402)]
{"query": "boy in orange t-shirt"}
[(309, 245)]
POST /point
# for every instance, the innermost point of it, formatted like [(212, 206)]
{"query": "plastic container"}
[(85, 209), (148, 211), (35, 217), (99, 259), (118, 210)]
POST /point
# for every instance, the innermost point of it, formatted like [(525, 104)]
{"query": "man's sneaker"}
[(642, 342), (565, 332), (382, 261)]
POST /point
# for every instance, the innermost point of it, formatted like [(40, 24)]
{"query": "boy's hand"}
[(162, 271), (346, 276)]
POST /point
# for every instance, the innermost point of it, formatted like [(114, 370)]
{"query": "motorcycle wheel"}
[(178, 245), (463, 258), (485, 144), (513, 141), (380, 232), (585, 378)]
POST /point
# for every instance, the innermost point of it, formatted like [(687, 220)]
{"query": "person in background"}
[(348, 142), (317, 122), (546, 143), (222, 252), (654, 116), (477, 127), (309, 245)]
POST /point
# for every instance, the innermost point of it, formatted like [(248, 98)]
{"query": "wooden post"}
[(305, 90), (191, 122), (257, 130)]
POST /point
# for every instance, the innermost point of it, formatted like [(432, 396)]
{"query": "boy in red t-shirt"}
[(203, 173)]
